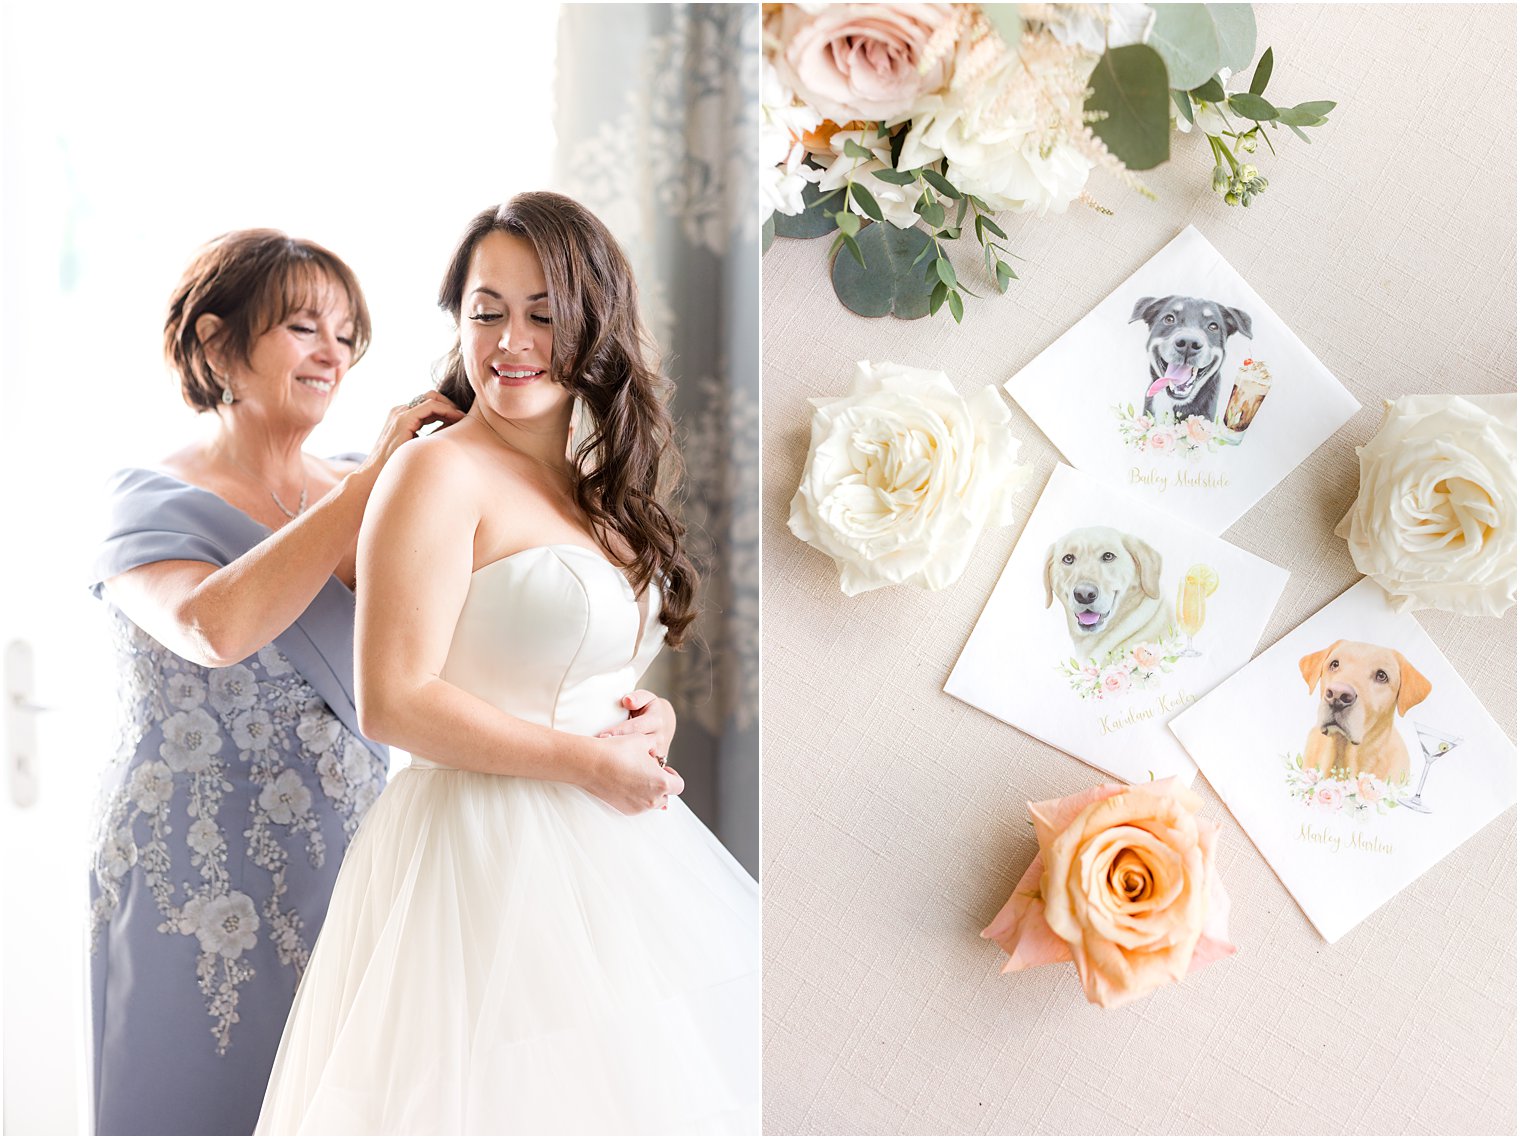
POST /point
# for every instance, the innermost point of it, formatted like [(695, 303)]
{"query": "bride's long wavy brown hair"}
[(626, 468)]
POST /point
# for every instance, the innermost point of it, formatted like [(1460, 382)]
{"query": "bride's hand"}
[(650, 716), (626, 774)]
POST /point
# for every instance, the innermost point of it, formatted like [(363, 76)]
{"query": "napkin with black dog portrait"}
[(1184, 388)]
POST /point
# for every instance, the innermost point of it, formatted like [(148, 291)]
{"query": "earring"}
[(227, 396)]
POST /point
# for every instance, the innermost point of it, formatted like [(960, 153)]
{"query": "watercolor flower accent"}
[(1124, 886), (1126, 668), (1338, 792), (1152, 434)]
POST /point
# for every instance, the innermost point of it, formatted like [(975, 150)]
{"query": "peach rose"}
[(1161, 442), (1146, 656), (866, 61), (1124, 885), (1198, 429), (1369, 788)]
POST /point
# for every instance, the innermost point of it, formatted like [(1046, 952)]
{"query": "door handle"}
[(21, 775)]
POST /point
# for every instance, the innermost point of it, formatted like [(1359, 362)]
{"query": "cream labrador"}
[(1109, 584), (1361, 688)]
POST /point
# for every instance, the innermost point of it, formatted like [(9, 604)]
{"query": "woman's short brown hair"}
[(252, 279)]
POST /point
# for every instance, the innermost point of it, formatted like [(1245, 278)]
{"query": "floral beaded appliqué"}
[(250, 753)]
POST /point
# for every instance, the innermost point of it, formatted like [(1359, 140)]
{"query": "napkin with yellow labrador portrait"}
[(1353, 755)]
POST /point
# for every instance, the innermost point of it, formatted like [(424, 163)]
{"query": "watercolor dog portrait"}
[(1185, 387), (1109, 618), (1353, 755)]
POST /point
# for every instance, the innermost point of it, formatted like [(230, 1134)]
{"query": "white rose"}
[(1019, 177), (902, 475), (1434, 521)]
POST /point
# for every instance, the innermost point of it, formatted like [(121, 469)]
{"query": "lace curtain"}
[(656, 121)]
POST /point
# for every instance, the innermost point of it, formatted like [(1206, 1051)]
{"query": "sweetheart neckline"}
[(641, 600)]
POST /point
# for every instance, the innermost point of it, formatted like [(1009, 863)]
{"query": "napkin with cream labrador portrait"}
[(1110, 617)]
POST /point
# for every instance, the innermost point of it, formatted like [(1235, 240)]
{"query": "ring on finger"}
[(419, 399)]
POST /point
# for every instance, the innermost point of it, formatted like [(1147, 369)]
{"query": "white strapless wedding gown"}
[(508, 955)]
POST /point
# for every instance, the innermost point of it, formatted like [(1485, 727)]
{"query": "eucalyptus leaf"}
[(1296, 117), (1186, 39), (889, 283), (1210, 92), (957, 306), (848, 223), (937, 296), (946, 272), (1129, 86), (1252, 107), (1294, 128), (1320, 107), (816, 220), (865, 200), (1262, 74), (1236, 26), (931, 211), (768, 234), (1196, 40), (1006, 20), (854, 247), (942, 184), (896, 177), (1184, 104), (853, 149)]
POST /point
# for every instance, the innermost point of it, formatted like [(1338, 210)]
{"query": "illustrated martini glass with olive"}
[(1434, 743)]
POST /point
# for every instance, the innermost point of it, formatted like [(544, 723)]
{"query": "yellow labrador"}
[(1109, 584), (1361, 688)]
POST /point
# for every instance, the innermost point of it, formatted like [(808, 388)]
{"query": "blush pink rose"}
[(1124, 885), (1329, 795), (866, 61), (1146, 656), (1161, 442), (1198, 429), (1115, 681), (1091, 672)]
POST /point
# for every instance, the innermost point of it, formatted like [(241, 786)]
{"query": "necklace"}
[(285, 510), (550, 467)]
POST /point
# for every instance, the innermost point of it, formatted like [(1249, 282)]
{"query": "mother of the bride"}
[(239, 773)]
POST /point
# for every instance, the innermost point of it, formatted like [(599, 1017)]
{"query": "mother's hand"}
[(627, 775), (406, 420), (650, 716)]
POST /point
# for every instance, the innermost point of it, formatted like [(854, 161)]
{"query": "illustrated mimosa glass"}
[(1196, 587)]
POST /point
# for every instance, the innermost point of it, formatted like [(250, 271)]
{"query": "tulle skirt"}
[(511, 956)]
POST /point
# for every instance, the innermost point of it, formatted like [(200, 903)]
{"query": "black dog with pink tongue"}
[(1185, 345)]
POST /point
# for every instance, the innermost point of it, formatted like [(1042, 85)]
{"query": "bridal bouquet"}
[(899, 128)]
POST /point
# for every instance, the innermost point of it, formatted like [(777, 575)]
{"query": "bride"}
[(530, 932)]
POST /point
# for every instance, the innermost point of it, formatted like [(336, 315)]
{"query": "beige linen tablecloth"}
[(894, 822)]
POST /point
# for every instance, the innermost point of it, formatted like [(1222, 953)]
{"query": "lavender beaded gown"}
[(224, 814)]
